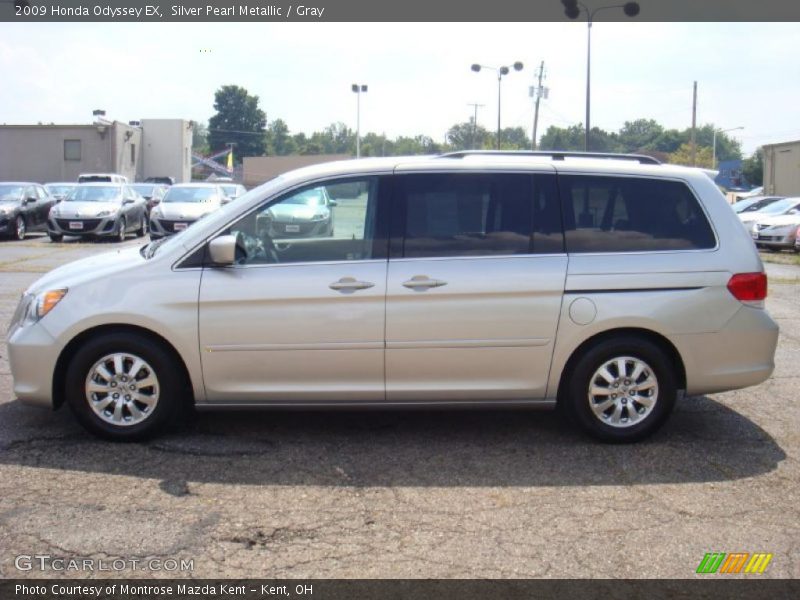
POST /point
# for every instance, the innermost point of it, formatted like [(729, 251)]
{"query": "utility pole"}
[(694, 126), (538, 91), (474, 123)]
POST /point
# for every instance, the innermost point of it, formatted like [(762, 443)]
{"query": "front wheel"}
[(142, 227), (55, 237), (121, 231), (124, 387), (20, 228), (622, 390)]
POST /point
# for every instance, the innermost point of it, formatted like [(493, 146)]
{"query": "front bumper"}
[(32, 355), (7, 225), (96, 226), (160, 227)]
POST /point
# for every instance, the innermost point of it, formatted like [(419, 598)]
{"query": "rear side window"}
[(629, 214), (470, 214)]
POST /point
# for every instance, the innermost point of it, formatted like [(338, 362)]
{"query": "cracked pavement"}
[(432, 494)]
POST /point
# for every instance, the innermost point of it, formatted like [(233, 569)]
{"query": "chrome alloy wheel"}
[(122, 389), (623, 391)]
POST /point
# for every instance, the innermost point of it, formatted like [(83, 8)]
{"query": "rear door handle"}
[(423, 282), (350, 284)]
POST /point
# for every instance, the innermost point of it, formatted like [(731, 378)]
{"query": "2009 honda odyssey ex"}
[(604, 284)]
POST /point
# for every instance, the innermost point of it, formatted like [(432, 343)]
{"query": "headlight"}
[(754, 227), (103, 213), (41, 304)]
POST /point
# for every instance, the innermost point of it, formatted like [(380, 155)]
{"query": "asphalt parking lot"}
[(404, 494)]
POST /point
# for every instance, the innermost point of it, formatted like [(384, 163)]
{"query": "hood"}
[(83, 210), (297, 212), (780, 220), (94, 267), (177, 211), (752, 217)]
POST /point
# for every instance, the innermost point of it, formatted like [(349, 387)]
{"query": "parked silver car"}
[(604, 285), (182, 205), (778, 232), (99, 210), (306, 214)]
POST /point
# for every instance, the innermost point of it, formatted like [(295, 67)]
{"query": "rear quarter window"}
[(632, 214)]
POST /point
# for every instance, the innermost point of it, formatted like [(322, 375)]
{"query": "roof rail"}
[(555, 155)]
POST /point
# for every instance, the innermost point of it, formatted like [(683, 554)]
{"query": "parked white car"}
[(182, 205), (781, 207)]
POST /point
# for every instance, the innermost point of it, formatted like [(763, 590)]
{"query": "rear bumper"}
[(740, 355)]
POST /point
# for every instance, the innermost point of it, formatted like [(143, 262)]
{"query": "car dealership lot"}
[(404, 494)]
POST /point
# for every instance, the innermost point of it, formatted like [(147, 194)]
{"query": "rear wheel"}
[(622, 389), (123, 387)]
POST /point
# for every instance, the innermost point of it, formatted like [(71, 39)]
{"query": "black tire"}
[(55, 237), (168, 374), (121, 230), (20, 228), (142, 227), (579, 380)]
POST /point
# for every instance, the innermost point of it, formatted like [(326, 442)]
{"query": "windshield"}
[(92, 193), (743, 205), (190, 194), (10, 193), (779, 207), (144, 190), (59, 190), (307, 198)]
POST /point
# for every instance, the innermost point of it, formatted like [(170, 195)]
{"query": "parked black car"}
[(24, 207), (152, 192), (163, 180)]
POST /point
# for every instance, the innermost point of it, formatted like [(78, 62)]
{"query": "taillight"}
[(748, 287)]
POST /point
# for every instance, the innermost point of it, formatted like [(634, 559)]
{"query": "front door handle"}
[(423, 282), (350, 284)]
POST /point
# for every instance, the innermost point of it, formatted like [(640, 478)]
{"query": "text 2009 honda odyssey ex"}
[(605, 284)]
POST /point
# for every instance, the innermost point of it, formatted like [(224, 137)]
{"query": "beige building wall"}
[(782, 169), (167, 149), (258, 169), (39, 152)]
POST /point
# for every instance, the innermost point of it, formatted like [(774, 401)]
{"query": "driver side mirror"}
[(30, 199), (332, 203), (222, 250), (128, 201)]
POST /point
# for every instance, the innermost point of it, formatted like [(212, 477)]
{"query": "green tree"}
[(639, 134), (753, 168), (278, 139), (563, 138), (239, 120), (683, 156), (514, 138), (466, 136), (199, 138)]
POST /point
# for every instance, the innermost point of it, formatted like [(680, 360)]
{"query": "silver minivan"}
[(605, 285)]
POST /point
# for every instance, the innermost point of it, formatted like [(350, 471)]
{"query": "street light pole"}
[(714, 144), (631, 9), (358, 89), (504, 70)]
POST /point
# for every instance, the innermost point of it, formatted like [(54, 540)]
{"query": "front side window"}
[(324, 222), (470, 214), (630, 214)]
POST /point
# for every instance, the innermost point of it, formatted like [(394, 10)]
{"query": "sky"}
[(418, 74)]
